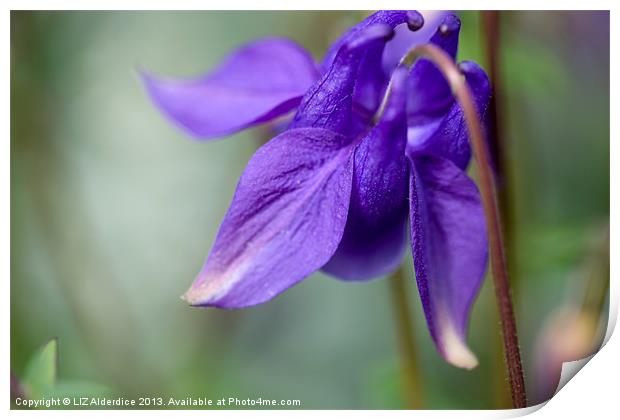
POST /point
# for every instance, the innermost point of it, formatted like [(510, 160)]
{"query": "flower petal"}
[(391, 18), (431, 95), (375, 238), (405, 39), (447, 136), (449, 245), (285, 221), (329, 102), (258, 82), (372, 79), (371, 82)]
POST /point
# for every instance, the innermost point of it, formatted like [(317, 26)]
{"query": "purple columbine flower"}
[(336, 190)]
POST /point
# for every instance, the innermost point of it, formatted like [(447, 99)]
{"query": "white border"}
[(592, 394), (306, 5)]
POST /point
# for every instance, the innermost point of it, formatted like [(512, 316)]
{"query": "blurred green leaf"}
[(41, 378), (76, 389), (42, 370)]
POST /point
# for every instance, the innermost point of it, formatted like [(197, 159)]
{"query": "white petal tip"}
[(187, 298), (194, 296), (455, 351), (460, 356)]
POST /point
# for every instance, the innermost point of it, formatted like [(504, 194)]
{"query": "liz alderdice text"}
[(189, 402)]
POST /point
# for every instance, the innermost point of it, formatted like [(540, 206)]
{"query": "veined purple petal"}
[(371, 82), (258, 82), (371, 79), (449, 245), (285, 221), (431, 95), (391, 18), (405, 39), (374, 239), (329, 102), (447, 136)]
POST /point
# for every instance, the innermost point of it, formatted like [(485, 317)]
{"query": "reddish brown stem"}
[(491, 29), (489, 201), (490, 24)]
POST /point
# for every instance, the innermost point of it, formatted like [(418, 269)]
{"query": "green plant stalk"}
[(411, 378)]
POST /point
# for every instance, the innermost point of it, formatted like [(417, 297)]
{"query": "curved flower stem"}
[(488, 192), (412, 383)]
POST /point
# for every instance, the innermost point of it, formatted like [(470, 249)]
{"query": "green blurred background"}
[(113, 211)]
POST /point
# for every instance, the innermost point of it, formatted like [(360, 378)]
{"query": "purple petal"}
[(431, 95), (375, 239), (371, 79), (405, 39), (391, 18), (258, 82), (371, 82), (285, 221), (329, 102), (449, 245), (447, 136)]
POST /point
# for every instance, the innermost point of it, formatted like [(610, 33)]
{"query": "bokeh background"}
[(113, 211)]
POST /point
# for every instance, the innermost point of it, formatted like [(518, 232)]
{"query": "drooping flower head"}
[(337, 190)]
